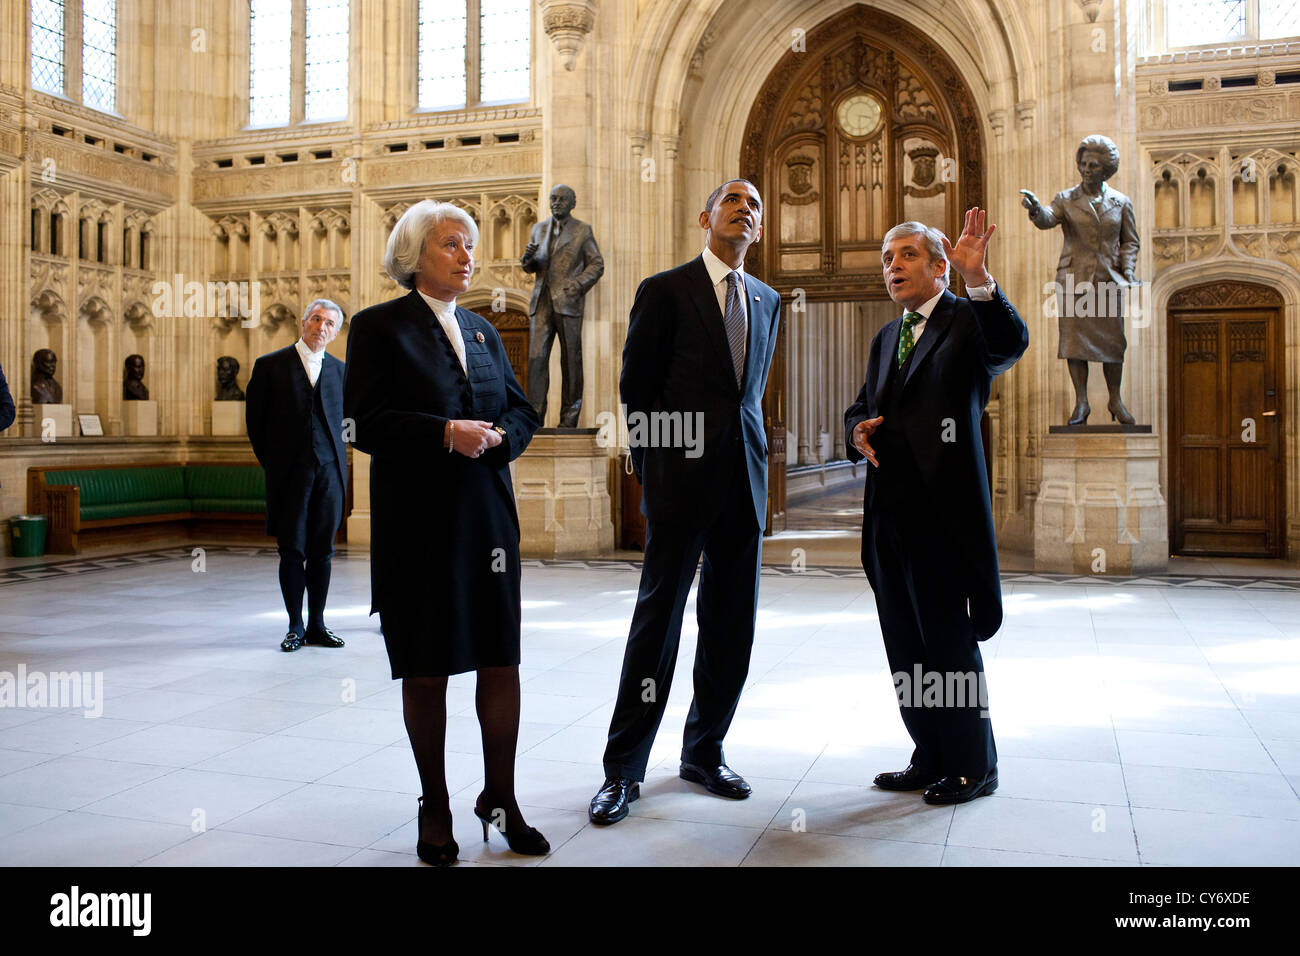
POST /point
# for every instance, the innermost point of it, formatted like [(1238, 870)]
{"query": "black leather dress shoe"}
[(721, 780), (322, 638), (610, 804), (292, 641), (912, 778), (961, 789)]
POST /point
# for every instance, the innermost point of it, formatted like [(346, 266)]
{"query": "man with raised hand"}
[(928, 546)]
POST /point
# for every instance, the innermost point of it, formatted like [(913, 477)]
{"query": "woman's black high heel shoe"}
[(527, 842), (1080, 414), (1119, 413), (433, 853)]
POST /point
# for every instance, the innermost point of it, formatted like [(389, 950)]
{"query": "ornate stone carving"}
[(1025, 113), (1211, 295), (998, 121), (701, 48), (1090, 9), (567, 23)]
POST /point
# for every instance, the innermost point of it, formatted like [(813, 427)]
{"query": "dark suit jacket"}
[(571, 266), (1097, 248), (277, 410), (7, 410), (677, 360), (964, 345), (437, 518)]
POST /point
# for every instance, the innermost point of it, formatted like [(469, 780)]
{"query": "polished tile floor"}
[(1141, 724)]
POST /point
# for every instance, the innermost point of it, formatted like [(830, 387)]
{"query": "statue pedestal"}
[(59, 415), (1099, 507), (562, 491), (140, 418), (228, 418)]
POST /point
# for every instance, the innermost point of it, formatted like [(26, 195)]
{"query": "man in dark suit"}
[(562, 252), (695, 365), (928, 546), (294, 413)]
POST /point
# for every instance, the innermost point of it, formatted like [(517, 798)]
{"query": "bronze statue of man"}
[(228, 389), (1096, 267), (133, 386), (46, 389), (562, 252)]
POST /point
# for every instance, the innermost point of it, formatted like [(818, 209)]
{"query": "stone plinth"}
[(1099, 507), (140, 418), (60, 415), (563, 495), (228, 418)]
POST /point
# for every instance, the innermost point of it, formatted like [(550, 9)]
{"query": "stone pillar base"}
[(140, 418), (60, 415), (1099, 507), (562, 493), (228, 418), (359, 520)]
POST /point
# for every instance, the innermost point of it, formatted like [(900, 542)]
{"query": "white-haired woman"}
[(438, 409)]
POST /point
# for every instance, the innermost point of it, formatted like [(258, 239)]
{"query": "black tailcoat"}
[(280, 402), (946, 386)]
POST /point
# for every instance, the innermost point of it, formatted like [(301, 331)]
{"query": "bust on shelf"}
[(228, 389), (46, 389), (133, 387)]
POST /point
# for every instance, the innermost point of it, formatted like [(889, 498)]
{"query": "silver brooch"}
[(478, 337)]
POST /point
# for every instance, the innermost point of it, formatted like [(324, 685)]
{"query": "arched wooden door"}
[(1226, 467), (868, 126)]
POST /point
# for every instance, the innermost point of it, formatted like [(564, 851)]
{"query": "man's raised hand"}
[(967, 255)]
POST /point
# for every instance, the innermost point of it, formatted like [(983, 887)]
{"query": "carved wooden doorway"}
[(1226, 464), (868, 126)]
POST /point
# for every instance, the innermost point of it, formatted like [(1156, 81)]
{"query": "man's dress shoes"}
[(961, 789), (721, 780), (912, 778), (322, 638), (610, 804), (292, 641)]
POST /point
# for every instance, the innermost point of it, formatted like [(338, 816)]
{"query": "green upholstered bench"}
[(76, 500)]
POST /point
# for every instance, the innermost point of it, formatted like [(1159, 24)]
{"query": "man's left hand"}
[(967, 255)]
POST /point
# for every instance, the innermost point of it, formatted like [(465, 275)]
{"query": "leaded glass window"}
[(99, 54), (47, 45), (505, 54), (269, 61), (442, 54), (327, 60)]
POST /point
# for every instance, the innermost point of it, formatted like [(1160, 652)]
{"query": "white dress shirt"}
[(445, 312), (718, 272), (976, 295), (311, 361)]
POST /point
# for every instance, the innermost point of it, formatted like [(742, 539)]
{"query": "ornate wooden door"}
[(1226, 463), (870, 126)]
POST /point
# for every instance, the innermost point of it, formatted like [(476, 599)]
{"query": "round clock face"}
[(859, 115)]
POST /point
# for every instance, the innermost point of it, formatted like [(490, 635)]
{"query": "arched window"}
[(74, 50), (298, 61), (473, 53)]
